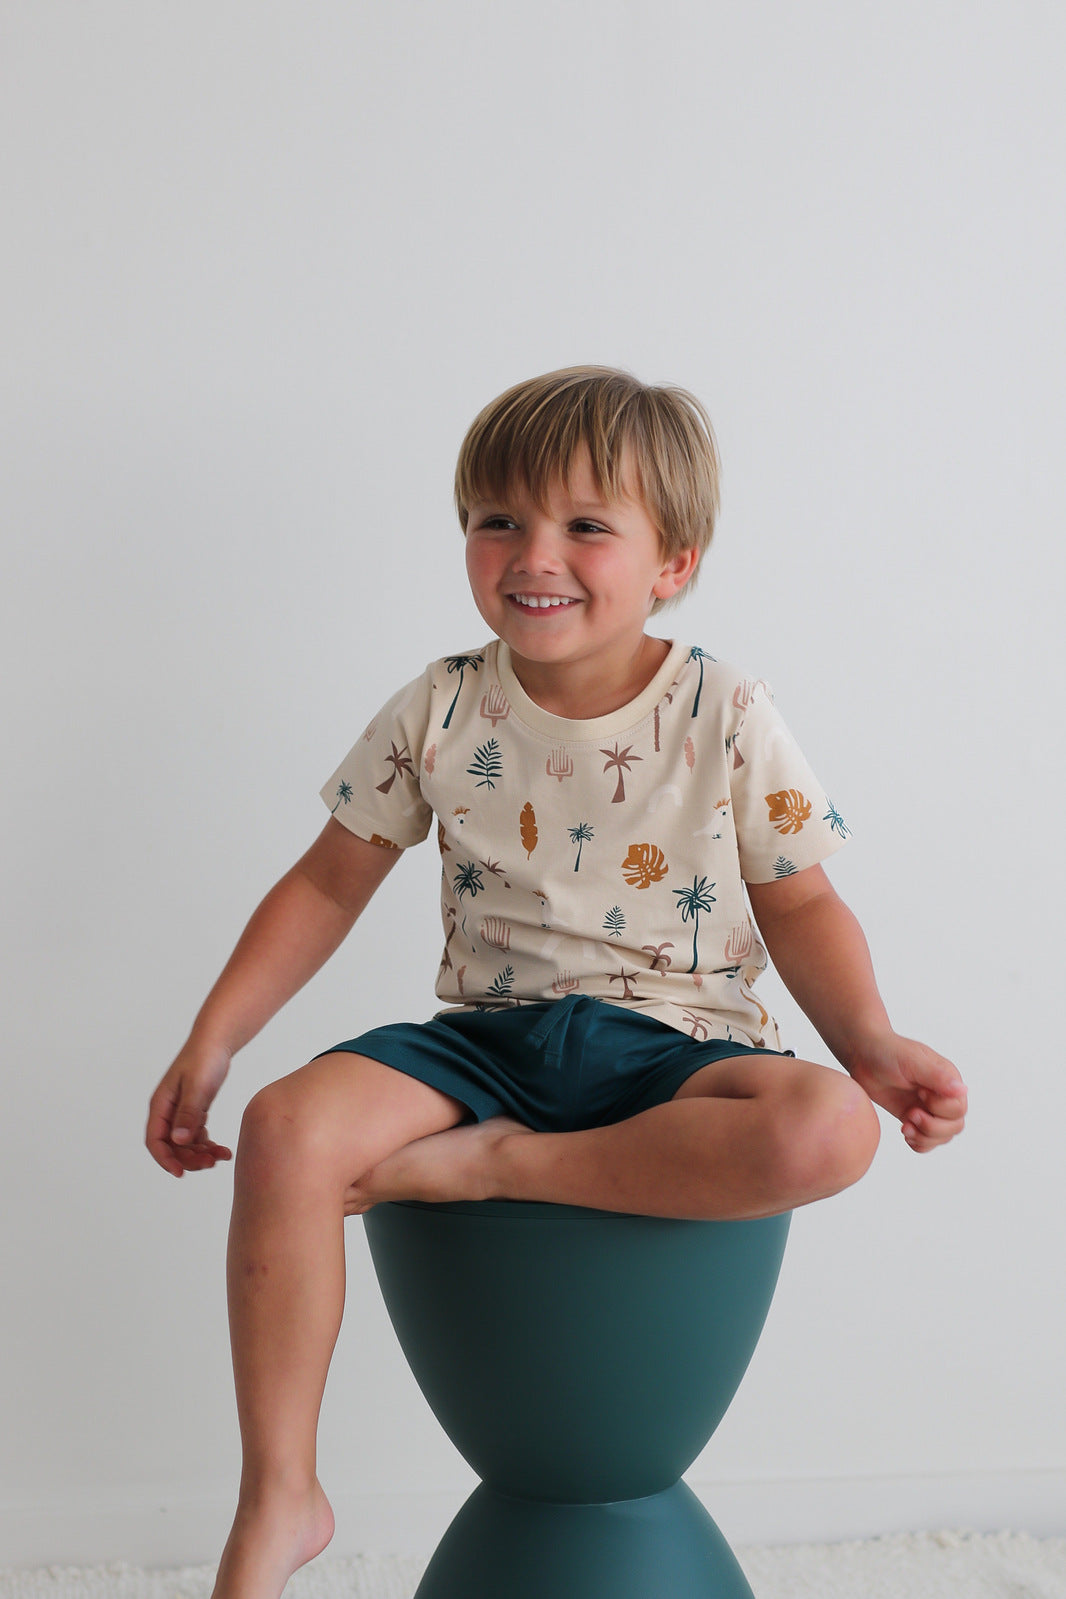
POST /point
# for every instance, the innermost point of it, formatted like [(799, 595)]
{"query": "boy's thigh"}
[(755, 1075), (351, 1111)]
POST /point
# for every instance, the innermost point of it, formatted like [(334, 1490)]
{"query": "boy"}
[(604, 801)]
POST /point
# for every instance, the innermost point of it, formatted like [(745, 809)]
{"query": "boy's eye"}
[(585, 526), (496, 522)]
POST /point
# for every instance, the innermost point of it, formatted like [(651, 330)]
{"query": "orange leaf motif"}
[(645, 864), (527, 826), (789, 809)]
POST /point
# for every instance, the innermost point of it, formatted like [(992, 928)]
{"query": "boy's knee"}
[(857, 1131), (830, 1135), (279, 1133)]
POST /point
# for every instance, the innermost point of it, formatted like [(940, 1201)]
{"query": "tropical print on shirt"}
[(604, 857)]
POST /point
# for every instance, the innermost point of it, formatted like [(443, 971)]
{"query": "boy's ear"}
[(675, 574)]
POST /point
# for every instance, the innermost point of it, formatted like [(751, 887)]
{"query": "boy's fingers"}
[(157, 1134), (924, 1131), (162, 1155), (176, 1134), (200, 1156), (952, 1105), (190, 1120), (937, 1073), (198, 1159), (917, 1141)]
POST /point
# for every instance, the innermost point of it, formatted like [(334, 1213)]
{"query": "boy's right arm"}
[(295, 930)]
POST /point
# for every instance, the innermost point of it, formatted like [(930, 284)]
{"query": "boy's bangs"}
[(537, 451)]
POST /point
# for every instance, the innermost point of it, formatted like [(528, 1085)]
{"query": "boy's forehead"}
[(578, 486)]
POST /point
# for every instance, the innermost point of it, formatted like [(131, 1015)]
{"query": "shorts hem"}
[(724, 1050), (480, 1105)]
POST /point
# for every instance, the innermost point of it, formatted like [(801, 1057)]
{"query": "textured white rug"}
[(940, 1565)]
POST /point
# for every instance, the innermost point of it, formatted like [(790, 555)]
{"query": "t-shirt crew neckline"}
[(569, 730)]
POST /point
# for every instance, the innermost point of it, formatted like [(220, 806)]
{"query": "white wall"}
[(263, 263)]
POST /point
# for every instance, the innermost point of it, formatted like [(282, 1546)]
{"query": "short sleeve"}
[(375, 791), (783, 817)]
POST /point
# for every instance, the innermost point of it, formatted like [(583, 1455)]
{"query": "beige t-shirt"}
[(603, 857)]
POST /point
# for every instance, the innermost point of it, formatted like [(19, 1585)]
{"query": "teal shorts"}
[(556, 1066)]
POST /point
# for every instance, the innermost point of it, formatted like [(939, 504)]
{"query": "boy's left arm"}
[(819, 949)]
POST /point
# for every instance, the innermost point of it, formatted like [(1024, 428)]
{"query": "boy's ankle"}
[(272, 1487)]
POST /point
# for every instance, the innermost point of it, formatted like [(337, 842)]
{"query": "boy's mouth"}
[(542, 602)]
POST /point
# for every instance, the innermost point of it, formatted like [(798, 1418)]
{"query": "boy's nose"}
[(538, 552)]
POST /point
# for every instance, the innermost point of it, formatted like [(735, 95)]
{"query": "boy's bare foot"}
[(457, 1164), (272, 1536)]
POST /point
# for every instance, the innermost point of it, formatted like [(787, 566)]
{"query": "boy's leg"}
[(747, 1136), (303, 1140)]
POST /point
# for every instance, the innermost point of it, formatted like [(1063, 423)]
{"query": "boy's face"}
[(602, 561)]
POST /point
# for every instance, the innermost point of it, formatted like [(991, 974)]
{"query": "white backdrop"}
[(262, 264)]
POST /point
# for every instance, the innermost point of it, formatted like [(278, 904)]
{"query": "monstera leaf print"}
[(789, 809), (645, 864)]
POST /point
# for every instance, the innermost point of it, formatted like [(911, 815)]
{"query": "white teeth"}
[(540, 601)]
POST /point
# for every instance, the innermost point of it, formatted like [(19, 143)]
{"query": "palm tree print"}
[(699, 1028), (696, 654), (625, 978), (620, 759), (487, 764), (656, 953), (468, 880), (400, 762), (581, 834), (344, 795), (496, 869), (459, 663), (690, 902), (836, 822)]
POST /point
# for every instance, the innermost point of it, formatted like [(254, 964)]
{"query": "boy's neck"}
[(582, 691)]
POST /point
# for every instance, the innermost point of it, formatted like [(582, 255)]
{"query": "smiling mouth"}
[(542, 602)]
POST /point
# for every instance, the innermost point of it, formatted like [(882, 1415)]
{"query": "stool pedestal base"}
[(501, 1548)]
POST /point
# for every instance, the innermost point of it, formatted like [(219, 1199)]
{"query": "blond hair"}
[(654, 442)]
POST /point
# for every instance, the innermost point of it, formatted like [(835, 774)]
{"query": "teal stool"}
[(579, 1360)]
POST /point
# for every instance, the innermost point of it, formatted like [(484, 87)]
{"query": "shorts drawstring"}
[(549, 1034)]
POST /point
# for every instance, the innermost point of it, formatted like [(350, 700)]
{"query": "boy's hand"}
[(177, 1116), (916, 1085)]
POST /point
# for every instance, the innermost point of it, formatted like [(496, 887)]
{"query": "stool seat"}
[(579, 1360)]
